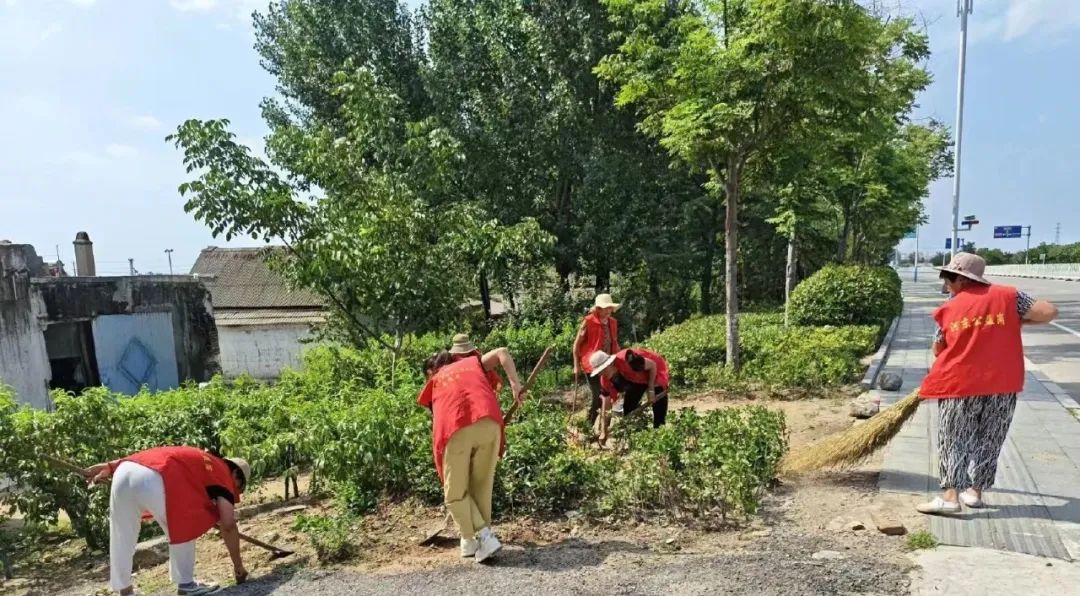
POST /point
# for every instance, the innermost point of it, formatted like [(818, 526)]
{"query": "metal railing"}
[(1063, 270)]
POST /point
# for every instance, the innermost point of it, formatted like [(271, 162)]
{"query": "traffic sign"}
[(1007, 231), (948, 243), (909, 236)]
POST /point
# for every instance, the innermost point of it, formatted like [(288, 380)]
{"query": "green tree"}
[(722, 82)]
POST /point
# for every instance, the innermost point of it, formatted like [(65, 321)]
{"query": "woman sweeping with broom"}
[(977, 372)]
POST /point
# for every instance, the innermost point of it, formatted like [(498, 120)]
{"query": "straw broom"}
[(855, 444)]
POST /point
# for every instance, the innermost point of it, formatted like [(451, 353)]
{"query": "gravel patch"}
[(780, 563)]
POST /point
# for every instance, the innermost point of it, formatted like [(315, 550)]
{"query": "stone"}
[(828, 555), (151, 553), (845, 524), (890, 382), (863, 406), (290, 510), (573, 514), (888, 524)]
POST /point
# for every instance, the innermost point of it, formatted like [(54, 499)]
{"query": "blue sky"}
[(89, 89)]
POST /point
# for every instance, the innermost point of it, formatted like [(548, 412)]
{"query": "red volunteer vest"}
[(594, 337), (187, 472), (458, 395), (984, 352), (642, 377)]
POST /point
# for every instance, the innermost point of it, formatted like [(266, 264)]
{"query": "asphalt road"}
[(1054, 348)]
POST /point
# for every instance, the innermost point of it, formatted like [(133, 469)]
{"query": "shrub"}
[(331, 536), (692, 346), (528, 342), (847, 295), (806, 357)]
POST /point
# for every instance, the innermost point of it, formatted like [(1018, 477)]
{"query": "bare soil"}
[(771, 554)]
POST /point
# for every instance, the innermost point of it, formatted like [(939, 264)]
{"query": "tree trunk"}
[(707, 270), (485, 294), (603, 278), (842, 239), (789, 275), (731, 261)]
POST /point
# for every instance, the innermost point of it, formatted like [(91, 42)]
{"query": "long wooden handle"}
[(261, 544), (65, 464), (529, 383)]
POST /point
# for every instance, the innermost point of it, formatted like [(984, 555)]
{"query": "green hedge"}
[(847, 295), (777, 356)]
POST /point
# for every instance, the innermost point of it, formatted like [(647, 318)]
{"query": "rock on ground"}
[(890, 382)]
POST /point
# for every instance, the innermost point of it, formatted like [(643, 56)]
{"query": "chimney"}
[(84, 255)]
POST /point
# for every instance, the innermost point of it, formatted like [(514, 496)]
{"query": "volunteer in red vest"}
[(977, 372), (635, 373), (463, 347), (467, 440), (187, 491), (599, 331)]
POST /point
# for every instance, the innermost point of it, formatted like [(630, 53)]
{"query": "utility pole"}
[(168, 253), (1027, 251), (963, 9), (1057, 233), (131, 267)]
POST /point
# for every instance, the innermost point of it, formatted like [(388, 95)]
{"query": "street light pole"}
[(963, 9), (168, 252)]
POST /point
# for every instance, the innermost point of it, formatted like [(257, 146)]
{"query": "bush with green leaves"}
[(847, 295), (692, 346), (330, 536)]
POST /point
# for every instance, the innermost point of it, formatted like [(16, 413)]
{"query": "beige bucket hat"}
[(245, 468), (605, 301), (968, 265), (598, 361), (462, 345)]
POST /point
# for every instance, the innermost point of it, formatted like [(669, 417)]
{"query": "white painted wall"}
[(261, 351), (24, 361)]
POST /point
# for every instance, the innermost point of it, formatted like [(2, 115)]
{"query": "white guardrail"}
[(1051, 271)]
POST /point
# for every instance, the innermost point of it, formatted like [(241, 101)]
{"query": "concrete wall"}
[(261, 351), (186, 300), (24, 361)]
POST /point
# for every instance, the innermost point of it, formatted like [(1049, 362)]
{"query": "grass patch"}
[(921, 540)]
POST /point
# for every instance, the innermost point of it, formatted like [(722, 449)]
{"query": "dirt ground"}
[(801, 519)]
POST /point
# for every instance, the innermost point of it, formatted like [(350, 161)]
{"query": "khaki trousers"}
[(469, 474)]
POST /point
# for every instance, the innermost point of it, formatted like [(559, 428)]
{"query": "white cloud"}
[(51, 30), (120, 151), (1024, 17), (87, 159), (193, 5), (83, 3), (145, 122)]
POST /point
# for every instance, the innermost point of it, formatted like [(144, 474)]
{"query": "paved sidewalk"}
[(1034, 508)]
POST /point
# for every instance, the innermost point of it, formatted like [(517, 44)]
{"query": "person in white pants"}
[(136, 489), (187, 491)]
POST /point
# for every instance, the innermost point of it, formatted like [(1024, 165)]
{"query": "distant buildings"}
[(262, 324), (59, 332)]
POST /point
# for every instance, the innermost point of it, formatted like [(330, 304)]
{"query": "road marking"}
[(1065, 329)]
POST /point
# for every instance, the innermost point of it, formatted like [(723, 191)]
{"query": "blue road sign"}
[(948, 243), (909, 236), (1007, 231)]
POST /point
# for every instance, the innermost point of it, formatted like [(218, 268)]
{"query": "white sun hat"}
[(598, 361), (605, 301)]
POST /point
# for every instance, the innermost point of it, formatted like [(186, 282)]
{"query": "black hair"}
[(242, 484), (436, 361), (949, 275)]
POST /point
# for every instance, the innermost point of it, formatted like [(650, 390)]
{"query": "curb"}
[(881, 356), (1055, 278)]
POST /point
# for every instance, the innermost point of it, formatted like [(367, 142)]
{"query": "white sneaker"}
[(197, 589), (971, 499), (939, 505), (489, 545), (469, 546)]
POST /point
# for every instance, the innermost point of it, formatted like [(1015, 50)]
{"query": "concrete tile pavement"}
[(1035, 506)]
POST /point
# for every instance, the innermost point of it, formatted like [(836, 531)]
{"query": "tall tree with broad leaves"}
[(720, 82)]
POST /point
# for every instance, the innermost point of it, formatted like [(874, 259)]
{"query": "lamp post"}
[(963, 9)]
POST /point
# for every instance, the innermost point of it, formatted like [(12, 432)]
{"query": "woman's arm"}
[(650, 367), (1041, 312), (230, 534), (502, 357)]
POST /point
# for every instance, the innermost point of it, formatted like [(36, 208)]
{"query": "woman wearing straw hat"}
[(463, 347), (977, 372), (467, 440), (635, 373), (187, 491), (599, 331)]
